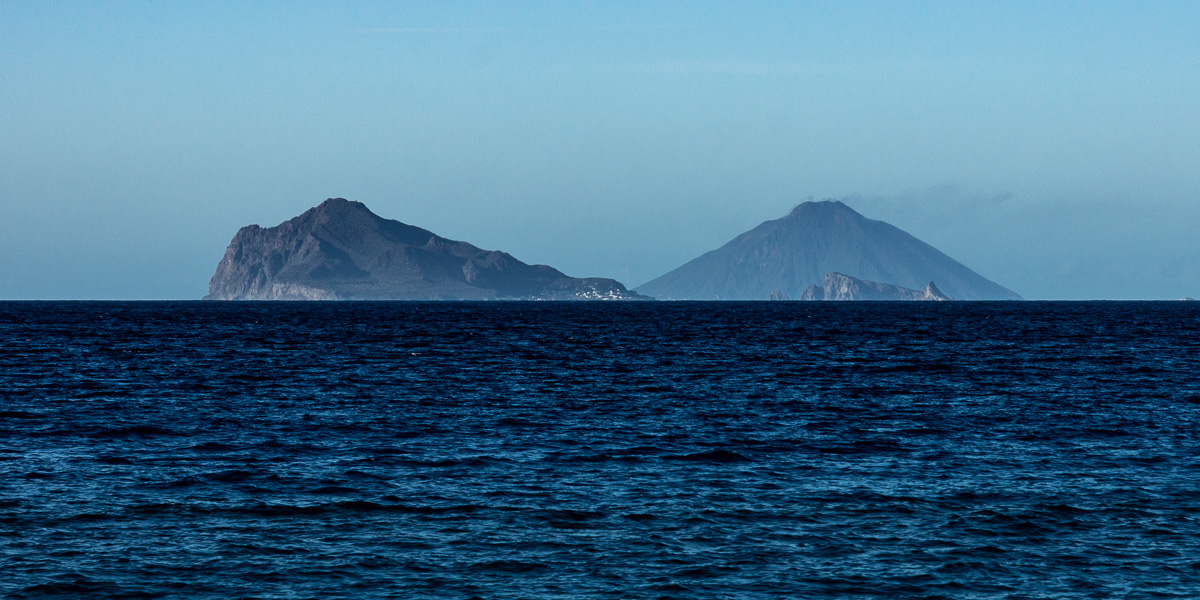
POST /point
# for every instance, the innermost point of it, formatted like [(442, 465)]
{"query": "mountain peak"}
[(933, 293), (340, 250), (338, 205), (791, 253), (827, 206)]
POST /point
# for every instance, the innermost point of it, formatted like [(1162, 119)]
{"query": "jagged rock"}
[(837, 286), (340, 250), (816, 238)]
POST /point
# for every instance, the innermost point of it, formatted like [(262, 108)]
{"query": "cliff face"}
[(340, 250), (789, 254), (843, 287)]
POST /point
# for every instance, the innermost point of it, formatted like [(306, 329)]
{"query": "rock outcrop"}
[(340, 250), (843, 287), (788, 255)]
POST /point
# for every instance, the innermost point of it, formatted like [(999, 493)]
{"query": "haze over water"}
[(706, 450), (1049, 146)]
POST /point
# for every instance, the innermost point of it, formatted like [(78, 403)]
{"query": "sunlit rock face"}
[(785, 256), (340, 250), (843, 287)]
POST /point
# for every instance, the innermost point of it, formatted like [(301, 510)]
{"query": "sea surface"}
[(599, 450)]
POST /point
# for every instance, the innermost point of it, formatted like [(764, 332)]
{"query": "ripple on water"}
[(684, 450)]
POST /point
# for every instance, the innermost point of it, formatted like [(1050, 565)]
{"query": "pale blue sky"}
[(1052, 146)]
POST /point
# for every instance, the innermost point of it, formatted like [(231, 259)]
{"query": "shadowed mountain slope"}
[(792, 253), (340, 250)]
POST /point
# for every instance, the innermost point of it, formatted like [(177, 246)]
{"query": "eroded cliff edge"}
[(340, 250)]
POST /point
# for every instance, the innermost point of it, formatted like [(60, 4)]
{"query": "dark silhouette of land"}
[(785, 256), (843, 287), (340, 250)]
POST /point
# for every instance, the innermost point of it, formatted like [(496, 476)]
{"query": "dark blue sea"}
[(599, 450)]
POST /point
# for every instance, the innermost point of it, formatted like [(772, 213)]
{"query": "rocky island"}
[(844, 287), (340, 250), (784, 257)]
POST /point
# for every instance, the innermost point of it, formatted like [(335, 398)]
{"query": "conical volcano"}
[(788, 255)]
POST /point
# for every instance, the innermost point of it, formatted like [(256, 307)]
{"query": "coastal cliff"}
[(837, 286), (340, 250)]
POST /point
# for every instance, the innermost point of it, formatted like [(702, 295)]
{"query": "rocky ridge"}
[(340, 250), (837, 286)]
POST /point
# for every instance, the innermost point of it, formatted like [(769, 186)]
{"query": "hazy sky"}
[(1052, 146)]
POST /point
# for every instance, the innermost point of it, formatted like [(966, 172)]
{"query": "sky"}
[(1053, 147)]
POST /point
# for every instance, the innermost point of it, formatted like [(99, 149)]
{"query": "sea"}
[(690, 450)]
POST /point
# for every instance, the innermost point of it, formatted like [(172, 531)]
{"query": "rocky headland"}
[(340, 250), (837, 286)]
